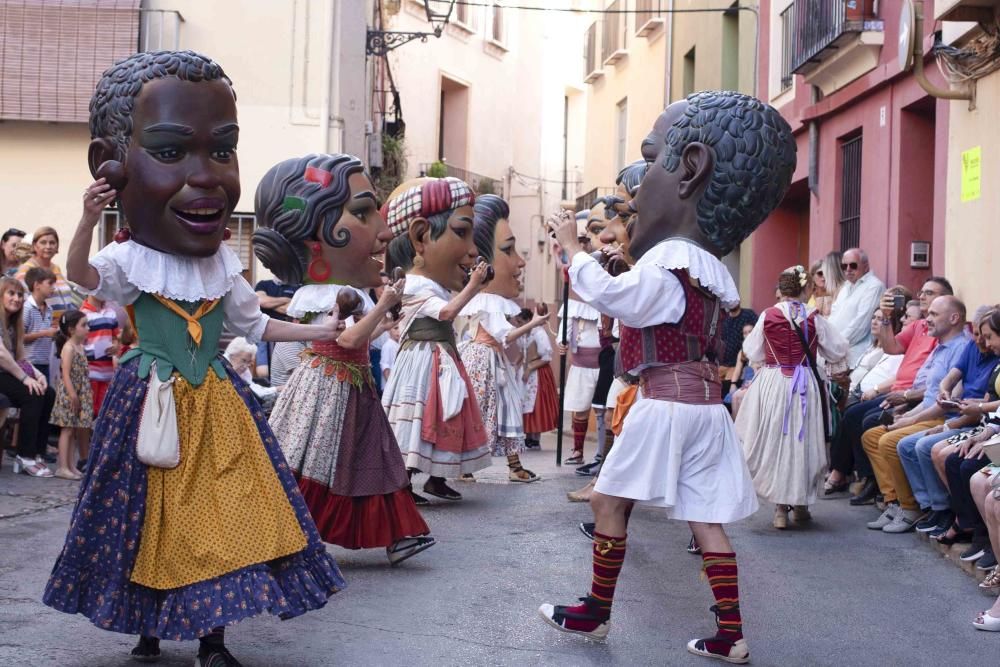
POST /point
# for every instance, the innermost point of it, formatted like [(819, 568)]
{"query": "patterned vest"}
[(696, 337)]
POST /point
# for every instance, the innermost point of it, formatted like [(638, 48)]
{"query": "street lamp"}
[(380, 42)]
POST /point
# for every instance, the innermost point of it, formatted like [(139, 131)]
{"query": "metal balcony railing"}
[(481, 185), (613, 37), (787, 46), (821, 25), (590, 63), (587, 199), (646, 11)]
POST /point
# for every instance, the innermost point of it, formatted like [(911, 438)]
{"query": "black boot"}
[(866, 496), (147, 650)]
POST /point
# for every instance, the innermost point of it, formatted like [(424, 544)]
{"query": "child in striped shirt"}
[(101, 346)]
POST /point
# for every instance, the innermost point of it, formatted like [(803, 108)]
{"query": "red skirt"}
[(545, 416), (363, 522)]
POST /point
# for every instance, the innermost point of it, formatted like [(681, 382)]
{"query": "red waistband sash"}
[(587, 357), (331, 350), (690, 382)]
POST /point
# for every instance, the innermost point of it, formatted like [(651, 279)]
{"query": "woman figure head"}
[(11, 316), (317, 222), (793, 283), (431, 220), (831, 273), (72, 324), (44, 245), (597, 220), (495, 242)]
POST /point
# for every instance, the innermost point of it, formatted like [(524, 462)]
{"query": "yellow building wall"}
[(971, 241)]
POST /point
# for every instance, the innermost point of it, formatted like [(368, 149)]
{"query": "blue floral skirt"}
[(92, 575)]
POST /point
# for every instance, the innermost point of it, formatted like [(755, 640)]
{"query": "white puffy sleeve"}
[(833, 346), (542, 344), (643, 297), (242, 311), (497, 326), (112, 285), (753, 346)]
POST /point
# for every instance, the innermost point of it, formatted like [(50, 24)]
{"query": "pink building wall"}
[(903, 172)]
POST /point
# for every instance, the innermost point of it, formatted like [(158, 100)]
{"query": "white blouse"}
[(126, 270), (490, 311)]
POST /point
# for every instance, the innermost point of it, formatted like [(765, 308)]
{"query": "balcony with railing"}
[(592, 69), (648, 17), (834, 41), (481, 185), (613, 34), (587, 199)]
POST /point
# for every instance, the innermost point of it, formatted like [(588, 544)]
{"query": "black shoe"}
[(419, 500), (693, 547), (587, 529), (590, 469), (866, 496), (939, 531), (934, 519), (987, 561), (81, 465), (216, 657), (407, 547), (532, 444), (976, 550), (147, 650)]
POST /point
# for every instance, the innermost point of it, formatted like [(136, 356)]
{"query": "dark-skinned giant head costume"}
[(720, 163), (163, 133)]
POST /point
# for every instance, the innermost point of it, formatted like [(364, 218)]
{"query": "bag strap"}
[(811, 358)]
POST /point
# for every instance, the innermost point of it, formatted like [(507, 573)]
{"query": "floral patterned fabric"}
[(499, 395), (92, 575), (62, 412)]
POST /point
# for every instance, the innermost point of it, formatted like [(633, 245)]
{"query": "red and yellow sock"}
[(580, 422), (723, 577)]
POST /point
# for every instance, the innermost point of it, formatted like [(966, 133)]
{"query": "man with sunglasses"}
[(9, 261), (852, 311)]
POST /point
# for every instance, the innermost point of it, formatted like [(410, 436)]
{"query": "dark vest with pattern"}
[(697, 337)]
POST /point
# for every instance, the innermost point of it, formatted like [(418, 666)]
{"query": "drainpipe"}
[(330, 100), (814, 96), (669, 65)]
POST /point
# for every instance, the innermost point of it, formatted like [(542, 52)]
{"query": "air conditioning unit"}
[(920, 255)]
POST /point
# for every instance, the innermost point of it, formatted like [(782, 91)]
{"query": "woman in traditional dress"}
[(541, 400), (326, 233), (781, 420), (495, 380), (429, 399), (180, 552)]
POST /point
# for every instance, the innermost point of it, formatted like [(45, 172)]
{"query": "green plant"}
[(437, 170), (393, 168)]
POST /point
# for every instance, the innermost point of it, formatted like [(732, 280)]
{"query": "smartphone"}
[(954, 405), (899, 303), (886, 418)]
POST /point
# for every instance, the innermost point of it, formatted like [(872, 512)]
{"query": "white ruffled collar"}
[(489, 303), (576, 309), (711, 274), (177, 277), (321, 299)]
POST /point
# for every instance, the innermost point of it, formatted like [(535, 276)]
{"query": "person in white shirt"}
[(389, 349), (858, 297)]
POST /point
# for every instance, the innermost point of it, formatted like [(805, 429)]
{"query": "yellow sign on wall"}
[(971, 169)]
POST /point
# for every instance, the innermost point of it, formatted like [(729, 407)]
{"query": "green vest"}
[(164, 338)]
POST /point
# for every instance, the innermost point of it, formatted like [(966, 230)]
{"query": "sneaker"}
[(934, 519), (407, 547), (739, 652), (590, 469), (987, 561), (587, 529), (885, 519), (903, 522), (216, 657), (976, 550), (583, 619)]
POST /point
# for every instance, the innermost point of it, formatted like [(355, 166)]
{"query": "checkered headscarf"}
[(421, 201)]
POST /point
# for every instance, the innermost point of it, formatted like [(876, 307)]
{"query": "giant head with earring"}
[(496, 244), (720, 162), (431, 220), (163, 133), (317, 222)]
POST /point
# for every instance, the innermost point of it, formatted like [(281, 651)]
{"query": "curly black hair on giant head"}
[(113, 102), (631, 176), (489, 211), (754, 161), (298, 201)]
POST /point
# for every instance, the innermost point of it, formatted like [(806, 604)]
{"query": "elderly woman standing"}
[(785, 447), (45, 246)]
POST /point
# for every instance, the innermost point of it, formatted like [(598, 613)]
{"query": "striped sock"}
[(609, 553), (722, 573), (609, 440), (580, 422)]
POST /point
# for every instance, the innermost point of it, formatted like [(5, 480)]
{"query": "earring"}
[(123, 235), (227, 234), (418, 262), (319, 268)]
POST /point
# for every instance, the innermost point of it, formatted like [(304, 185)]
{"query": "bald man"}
[(946, 323), (858, 297)]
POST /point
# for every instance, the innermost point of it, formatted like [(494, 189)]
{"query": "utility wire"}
[(573, 10)]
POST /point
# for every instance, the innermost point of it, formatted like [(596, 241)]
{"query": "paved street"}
[(833, 594)]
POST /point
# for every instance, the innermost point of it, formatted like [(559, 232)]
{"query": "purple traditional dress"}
[(225, 535)]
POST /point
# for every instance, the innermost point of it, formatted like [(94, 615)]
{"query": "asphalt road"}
[(830, 594)]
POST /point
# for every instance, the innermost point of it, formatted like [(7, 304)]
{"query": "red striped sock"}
[(579, 430), (609, 553), (723, 576)]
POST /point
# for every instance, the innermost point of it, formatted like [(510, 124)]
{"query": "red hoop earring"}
[(319, 268), (123, 235), (227, 234)]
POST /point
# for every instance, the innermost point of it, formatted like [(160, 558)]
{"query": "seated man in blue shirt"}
[(973, 370), (946, 323)]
